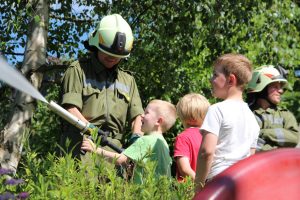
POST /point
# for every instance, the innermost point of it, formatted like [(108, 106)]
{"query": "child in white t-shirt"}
[(229, 130)]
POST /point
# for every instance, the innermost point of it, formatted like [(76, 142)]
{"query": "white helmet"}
[(263, 76), (112, 36)]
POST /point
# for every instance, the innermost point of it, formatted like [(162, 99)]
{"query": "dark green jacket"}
[(278, 128), (106, 98)]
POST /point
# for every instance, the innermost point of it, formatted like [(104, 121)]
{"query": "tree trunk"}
[(11, 138)]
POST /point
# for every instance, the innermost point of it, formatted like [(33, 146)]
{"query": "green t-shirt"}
[(152, 147), (104, 97)]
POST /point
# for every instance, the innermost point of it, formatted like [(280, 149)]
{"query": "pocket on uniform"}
[(123, 96), (90, 95)]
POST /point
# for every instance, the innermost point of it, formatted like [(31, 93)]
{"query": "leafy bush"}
[(65, 178), (45, 125)]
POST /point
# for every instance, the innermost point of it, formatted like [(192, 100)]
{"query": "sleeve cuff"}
[(73, 99)]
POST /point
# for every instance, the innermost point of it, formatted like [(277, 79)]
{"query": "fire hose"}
[(82, 126)]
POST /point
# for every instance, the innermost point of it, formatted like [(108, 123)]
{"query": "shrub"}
[(65, 178)]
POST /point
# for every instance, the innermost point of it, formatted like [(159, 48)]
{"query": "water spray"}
[(15, 79)]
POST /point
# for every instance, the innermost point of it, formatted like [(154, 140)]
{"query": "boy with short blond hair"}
[(191, 109), (229, 130), (159, 117)]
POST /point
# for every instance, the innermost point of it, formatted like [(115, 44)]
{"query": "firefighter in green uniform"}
[(278, 126), (97, 90)]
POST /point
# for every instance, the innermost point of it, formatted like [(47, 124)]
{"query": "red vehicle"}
[(264, 176)]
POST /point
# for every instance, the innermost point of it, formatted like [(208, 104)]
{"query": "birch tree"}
[(34, 58)]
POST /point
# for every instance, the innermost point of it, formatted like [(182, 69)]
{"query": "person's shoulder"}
[(258, 111), (159, 141), (126, 72), (282, 109), (272, 110), (146, 138), (153, 137), (74, 67), (189, 133), (79, 62), (285, 111), (217, 105), (231, 103), (190, 130), (74, 63)]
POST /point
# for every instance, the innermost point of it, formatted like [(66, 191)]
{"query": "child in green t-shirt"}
[(159, 117)]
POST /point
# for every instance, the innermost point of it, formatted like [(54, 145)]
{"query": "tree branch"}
[(44, 68), (71, 19), (11, 53)]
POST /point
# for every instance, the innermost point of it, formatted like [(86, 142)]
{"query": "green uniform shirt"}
[(151, 147), (105, 97), (278, 128)]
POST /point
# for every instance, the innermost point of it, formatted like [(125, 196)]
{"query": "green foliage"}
[(66, 178), (175, 45), (291, 101), (45, 125), (164, 38)]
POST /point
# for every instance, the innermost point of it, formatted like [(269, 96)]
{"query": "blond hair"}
[(236, 64), (167, 111), (192, 107)]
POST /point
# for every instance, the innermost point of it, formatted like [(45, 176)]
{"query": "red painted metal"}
[(264, 176)]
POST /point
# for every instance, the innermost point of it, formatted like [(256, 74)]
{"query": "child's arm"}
[(184, 167), (88, 145), (205, 158)]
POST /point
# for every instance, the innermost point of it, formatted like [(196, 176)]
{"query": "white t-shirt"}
[(237, 130)]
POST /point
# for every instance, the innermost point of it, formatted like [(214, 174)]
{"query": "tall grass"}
[(65, 178)]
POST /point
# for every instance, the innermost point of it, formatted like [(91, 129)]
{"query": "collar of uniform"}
[(268, 110), (99, 66)]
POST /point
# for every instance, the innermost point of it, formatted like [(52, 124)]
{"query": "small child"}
[(229, 130), (191, 109), (159, 117)]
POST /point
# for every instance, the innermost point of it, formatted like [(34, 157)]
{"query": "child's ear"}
[(160, 121), (232, 80)]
